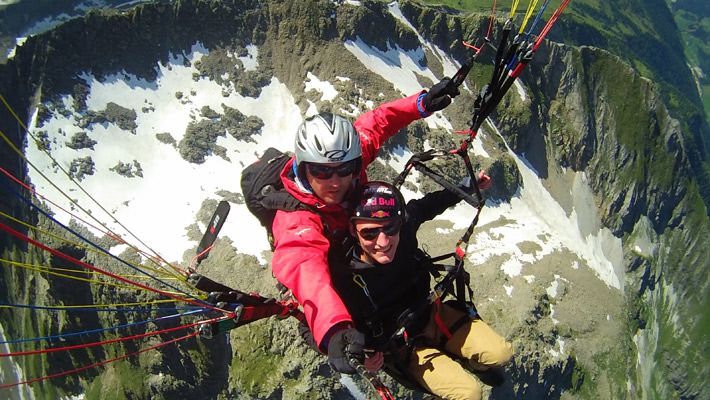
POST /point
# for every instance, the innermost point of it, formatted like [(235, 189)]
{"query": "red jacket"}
[(300, 260)]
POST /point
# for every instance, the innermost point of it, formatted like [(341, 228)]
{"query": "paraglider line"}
[(112, 328), (22, 155), (106, 232), (66, 257), (50, 217), (101, 343), (99, 307), (98, 364)]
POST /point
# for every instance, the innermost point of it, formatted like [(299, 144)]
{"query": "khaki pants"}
[(475, 341)]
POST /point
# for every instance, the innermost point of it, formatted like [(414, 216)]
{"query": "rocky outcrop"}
[(592, 112), (612, 124)]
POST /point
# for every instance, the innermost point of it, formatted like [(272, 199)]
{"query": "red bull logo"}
[(378, 201), (380, 214), (372, 201)]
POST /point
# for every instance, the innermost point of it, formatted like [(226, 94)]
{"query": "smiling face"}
[(378, 239)]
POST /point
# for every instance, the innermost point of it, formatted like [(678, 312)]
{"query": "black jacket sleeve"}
[(431, 205)]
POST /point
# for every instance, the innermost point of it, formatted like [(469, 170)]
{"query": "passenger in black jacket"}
[(388, 277)]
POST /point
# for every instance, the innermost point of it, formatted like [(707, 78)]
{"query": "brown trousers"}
[(475, 342)]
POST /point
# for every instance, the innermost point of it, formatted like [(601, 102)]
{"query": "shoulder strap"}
[(280, 200)]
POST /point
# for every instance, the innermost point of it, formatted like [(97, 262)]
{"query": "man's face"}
[(378, 239), (331, 181)]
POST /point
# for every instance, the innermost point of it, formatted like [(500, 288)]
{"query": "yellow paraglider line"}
[(513, 8), (99, 306), (58, 272), (87, 248), (528, 13), (179, 272)]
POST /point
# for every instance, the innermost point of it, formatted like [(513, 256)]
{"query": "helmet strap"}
[(299, 175)]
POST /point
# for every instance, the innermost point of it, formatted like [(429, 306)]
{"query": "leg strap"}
[(439, 322)]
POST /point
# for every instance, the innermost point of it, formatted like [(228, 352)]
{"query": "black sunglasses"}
[(321, 171), (389, 230)]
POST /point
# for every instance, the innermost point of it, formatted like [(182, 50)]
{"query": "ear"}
[(353, 231)]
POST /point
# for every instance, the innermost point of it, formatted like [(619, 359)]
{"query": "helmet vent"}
[(318, 144), (329, 121), (348, 143)]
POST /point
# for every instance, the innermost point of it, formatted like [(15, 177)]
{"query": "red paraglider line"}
[(549, 24), (105, 342), (98, 364), (99, 270)]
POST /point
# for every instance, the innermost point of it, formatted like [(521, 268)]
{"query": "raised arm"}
[(433, 204)]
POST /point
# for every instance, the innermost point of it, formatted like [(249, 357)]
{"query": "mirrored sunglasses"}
[(390, 229), (321, 171)]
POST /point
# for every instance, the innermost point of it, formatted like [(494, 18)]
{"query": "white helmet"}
[(327, 138)]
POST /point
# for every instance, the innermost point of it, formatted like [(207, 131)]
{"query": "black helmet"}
[(378, 200)]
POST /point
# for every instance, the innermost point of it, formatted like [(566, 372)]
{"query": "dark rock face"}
[(114, 113), (80, 140), (505, 174), (610, 123), (200, 138)]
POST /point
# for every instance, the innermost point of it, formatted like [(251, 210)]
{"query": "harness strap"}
[(455, 275), (255, 313), (459, 323), (461, 284), (439, 322), (476, 203)]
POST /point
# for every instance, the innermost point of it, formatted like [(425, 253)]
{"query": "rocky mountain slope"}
[(589, 136)]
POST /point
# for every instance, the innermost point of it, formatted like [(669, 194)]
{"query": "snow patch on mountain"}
[(158, 207), (396, 65), (250, 61), (520, 89), (327, 90), (10, 371), (450, 66)]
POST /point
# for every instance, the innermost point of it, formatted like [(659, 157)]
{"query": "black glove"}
[(307, 335), (439, 96), (343, 345)]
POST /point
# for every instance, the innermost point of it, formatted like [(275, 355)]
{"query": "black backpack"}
[(264, 192)]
